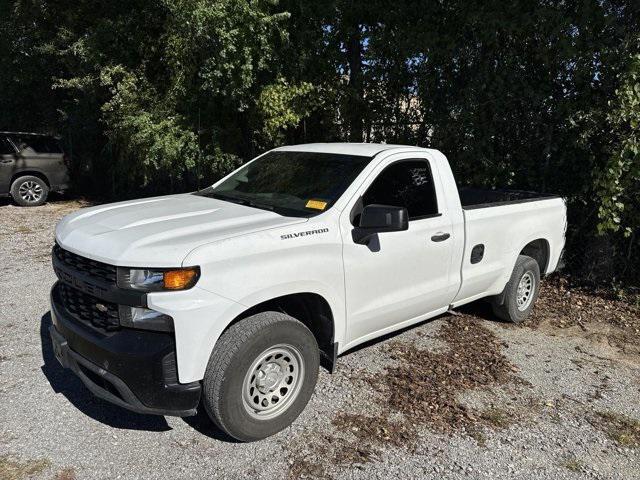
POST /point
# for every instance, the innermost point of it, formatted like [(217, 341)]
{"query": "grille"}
[(84, 308), (101, 271)]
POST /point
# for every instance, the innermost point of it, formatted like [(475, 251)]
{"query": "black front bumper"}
[(135, 369)]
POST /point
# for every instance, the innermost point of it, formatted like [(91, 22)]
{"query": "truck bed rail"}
[(472, 198)]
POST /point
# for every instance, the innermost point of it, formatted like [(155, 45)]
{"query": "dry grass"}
[(498, 418), (622, 429), (11, 469), (23, 229), (572, 464)]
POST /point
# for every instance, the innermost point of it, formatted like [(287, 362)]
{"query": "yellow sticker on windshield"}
[(316, 204)]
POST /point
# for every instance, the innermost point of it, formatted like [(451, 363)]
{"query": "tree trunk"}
[(355, 102)]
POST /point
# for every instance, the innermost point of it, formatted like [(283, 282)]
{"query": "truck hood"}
[(160, 231)]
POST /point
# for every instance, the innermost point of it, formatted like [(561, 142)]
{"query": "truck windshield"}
[(291, 183)]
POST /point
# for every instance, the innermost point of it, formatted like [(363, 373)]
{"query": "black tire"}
[(29, 191), (505, 305), (227, 378)]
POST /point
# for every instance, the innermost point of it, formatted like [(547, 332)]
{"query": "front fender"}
[(199, 318)]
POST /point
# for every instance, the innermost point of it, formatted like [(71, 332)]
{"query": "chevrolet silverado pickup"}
[(230, 298)]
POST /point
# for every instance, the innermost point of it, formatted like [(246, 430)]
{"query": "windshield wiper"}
[(263, 206), (226, 198), (242, 201), (286, 212)]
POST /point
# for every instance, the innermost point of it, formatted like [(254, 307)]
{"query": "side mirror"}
[(379, 219)]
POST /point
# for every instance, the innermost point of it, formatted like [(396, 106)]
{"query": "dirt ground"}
[(460, 396)]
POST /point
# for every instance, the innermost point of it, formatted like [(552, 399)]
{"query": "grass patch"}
[(497, 418), (17, 470), (572, 464), (622, 429)]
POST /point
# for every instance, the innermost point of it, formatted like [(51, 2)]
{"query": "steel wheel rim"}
[(273, 382), (524, 294), (30, 191)]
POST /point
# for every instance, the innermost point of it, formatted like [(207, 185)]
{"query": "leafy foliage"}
[(619, 183), (283, 106)]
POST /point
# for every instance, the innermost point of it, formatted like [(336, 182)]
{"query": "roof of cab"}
[(360, 149)]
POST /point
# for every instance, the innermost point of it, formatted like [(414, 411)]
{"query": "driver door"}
[(399, 277)]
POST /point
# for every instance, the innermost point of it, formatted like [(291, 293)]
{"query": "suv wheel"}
[(29, 191), (521, 292), (261, 375)]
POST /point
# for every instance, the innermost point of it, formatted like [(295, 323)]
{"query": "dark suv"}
[(31, 166)]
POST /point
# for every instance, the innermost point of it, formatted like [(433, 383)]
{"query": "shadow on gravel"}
[(201, 423), (481, 309), (66, 383), (54, 197)]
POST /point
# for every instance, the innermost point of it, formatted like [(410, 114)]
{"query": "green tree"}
[(154, 96), (618, 184)]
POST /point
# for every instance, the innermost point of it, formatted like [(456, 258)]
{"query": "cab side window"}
[(406, 184)]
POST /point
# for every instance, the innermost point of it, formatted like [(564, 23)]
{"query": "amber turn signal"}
[(180, 279)]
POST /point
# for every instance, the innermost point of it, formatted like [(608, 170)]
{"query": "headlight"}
[(158, 279), (145, 318)]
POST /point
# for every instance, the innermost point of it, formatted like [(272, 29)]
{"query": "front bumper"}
[(135, 369)]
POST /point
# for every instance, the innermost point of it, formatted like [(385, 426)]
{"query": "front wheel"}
[(261, 375), (521, 292)]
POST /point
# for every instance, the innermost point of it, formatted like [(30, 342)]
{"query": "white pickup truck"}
[(231, 297)]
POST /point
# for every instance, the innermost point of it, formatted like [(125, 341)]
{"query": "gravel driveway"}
[(461, 396)]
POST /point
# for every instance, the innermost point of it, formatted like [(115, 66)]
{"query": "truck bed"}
[(472, 197), (494, 237)]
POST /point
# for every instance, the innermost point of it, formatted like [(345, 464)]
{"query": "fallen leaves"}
[(424, 385), (596, 313)]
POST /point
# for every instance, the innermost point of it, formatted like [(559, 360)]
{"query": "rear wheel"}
[(261, 375), (29, 191), (516, 301)]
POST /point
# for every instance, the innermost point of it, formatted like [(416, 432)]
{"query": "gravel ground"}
[(462, 396)]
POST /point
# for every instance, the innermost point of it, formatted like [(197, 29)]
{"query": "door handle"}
[(440, 237)]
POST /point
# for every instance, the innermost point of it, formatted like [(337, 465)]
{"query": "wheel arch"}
[(31, 173), (538, 249), (310, 308)]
